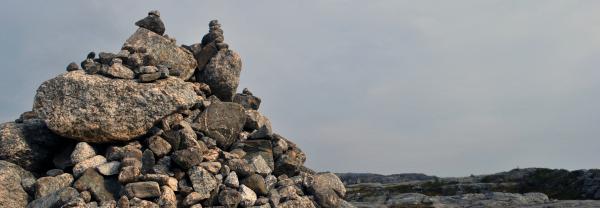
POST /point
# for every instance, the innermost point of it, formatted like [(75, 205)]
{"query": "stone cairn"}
[(155, 125)]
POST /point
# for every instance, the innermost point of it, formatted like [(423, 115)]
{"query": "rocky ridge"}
[(155, 125), (515, 188)]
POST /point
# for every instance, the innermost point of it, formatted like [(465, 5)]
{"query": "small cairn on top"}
[(155, 125)]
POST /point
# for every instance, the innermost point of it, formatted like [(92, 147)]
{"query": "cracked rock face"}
[(94, 108)]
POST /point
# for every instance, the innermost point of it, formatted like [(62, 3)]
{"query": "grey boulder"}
[(328, 189), (28, 144), (97, 109), (222, 121), (12, 181), (222, 74)]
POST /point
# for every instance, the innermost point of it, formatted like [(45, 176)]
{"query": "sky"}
[(448, 88)]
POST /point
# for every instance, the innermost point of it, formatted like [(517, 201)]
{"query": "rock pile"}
[(155, 125)]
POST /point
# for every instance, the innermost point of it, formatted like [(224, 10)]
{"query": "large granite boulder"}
[(222, 74), (28, 144), (12, 181), (165, 51), (96, 109)]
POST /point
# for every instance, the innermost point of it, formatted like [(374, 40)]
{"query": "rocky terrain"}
[(531, 187), (155, 125)]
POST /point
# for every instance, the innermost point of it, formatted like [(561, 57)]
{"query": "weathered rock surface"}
[(93, 182), (222, 74), (222, 121), (327, 188), (56, 199), (202, 181), (249, 101), (13, 179), (28, 144), (143, 190), (98, 109), (47, 185), (166, 52)]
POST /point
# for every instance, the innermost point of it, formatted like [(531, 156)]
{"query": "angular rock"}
[(142, 190), (152, 22), (192, 198), (202, 181), (222, 74), (167, 53), (56, 199), (241, 167), (13, 179), (256, 183), (167, 198), (28, 144), (98, 109), (232, 180), (249, 102), (159, 146), (82, 151), (187, 158), (47, 185), (163, 166), (129, 174), (230, 197), (263, 148), (259, 123), (248, 196), (290, 162), (260, 165), (148, 161), (109, 168), (222, 121), (327, 188), (204, 55), (212, 167), (93, 182), (118, 70), (92, 162)]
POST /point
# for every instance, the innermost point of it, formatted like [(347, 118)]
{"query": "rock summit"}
[(155, 124)]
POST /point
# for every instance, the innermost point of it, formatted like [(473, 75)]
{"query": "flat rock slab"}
[(167, 53), (96, 109)]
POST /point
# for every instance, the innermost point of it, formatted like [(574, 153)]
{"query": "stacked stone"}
[(148, 55), (109, 134)]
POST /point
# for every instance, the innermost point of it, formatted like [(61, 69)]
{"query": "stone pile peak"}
[(155, 124)]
